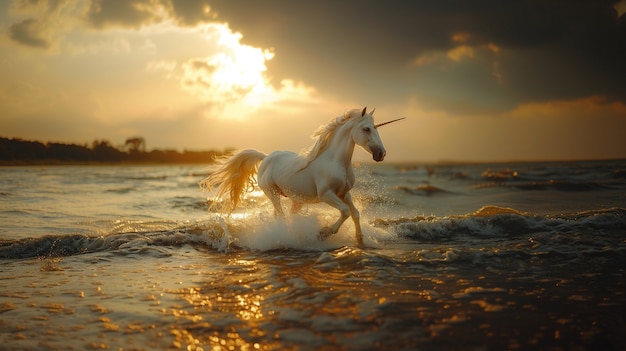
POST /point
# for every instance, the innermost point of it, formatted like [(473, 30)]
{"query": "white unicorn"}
[(323, 173)]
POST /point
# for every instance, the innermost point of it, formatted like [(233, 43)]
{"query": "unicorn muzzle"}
[(378, 154)]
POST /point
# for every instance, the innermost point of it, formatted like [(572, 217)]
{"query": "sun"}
[(236, 73), (228, 78), (241, 73)]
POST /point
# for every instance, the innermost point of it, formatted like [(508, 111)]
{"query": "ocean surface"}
[(519, 256)]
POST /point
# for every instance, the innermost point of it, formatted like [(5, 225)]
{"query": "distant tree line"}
[(19, 151)]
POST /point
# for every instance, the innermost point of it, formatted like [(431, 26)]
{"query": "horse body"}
[(324, 174), (279, 173)]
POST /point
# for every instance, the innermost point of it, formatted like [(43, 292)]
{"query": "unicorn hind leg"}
[(296, 206), (274, 195)]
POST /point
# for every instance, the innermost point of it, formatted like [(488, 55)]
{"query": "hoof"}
[(324, 234), (359, 244), (359, 240)]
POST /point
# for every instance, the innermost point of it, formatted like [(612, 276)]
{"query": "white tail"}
[(235, 177)]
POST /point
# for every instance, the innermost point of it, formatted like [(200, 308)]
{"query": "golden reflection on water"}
[(221, 332), (279, 305)]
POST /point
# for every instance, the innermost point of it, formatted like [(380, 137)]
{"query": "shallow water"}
[(507, 256)]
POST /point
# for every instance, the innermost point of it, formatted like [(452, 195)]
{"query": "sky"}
[(476, 80)]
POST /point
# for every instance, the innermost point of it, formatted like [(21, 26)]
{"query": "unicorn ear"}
[(363, 113), (372, 113)]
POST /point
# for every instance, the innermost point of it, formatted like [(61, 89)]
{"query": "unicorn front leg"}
[(346, 208), (356, 217)]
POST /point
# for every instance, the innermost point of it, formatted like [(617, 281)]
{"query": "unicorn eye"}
[(366, 129)]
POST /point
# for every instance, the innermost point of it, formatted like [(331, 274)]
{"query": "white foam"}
[(261, 231)]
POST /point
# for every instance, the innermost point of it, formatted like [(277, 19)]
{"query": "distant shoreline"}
[(19, 152), (18, 163)]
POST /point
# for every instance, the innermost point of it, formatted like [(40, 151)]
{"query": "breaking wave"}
[(260, 232)]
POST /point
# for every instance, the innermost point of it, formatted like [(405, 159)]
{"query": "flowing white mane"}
[(325, 133)]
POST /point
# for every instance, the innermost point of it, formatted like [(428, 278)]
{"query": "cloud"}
[(555, 49), (137, 13), (28, 32), (115, 45), (131, 13), (192, 12), (547, 49), (234, 72), (455, 54), (460, 52), (233, 80), (231, 72), (43, 24), (203, 67), (465, 80), (556, 40)]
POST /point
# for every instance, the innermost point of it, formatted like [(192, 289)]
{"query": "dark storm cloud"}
[(562, 49), (549, 49), (27, 32)]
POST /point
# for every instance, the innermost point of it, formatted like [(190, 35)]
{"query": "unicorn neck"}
[(334, 143), (341, 146)]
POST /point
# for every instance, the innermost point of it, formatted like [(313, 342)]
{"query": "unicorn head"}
[(365, 134)]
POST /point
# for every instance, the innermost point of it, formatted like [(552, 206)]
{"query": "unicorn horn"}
[(395, 120)]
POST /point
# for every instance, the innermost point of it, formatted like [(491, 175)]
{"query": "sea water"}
[(519, 256)]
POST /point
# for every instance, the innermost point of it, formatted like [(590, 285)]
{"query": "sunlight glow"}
[(231, 80), (234, 72)]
